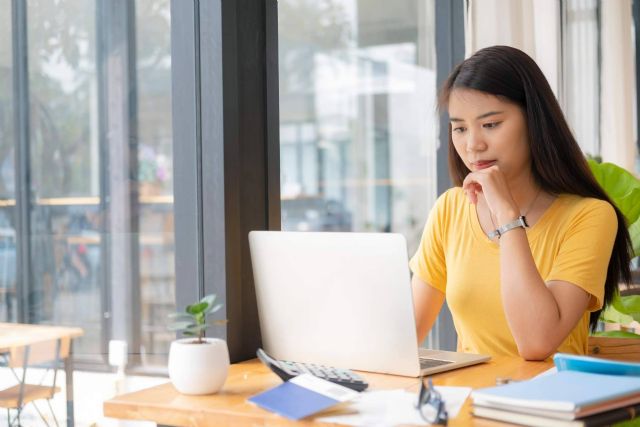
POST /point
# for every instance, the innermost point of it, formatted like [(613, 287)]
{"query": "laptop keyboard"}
[(432, 363)]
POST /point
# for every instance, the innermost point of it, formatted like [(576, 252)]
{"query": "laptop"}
[(342, 300)]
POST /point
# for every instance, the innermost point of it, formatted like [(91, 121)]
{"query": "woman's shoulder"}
[(453, 196), (451, 200), (450, 204), (580, 206)]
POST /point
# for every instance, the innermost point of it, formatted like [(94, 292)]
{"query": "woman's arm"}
[(427, 302), (540, 315)]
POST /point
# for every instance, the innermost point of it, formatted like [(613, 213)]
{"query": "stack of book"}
[(600, 393)]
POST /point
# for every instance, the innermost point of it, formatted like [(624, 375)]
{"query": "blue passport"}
[(302, 396)]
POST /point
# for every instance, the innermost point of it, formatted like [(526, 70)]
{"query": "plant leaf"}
[(200, 318), (621, 186), (213, 308), (634, 233), (612, 315), (196, 308), (194, 329), (629, 305), (616, 334), (177, 326), (209, 299), (180, 316)]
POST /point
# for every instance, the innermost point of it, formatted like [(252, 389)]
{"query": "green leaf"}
[(213, 309), (194, 329), (611, 315), (634, 232), (194, 320), (177, 326), (200, 318), (621, 186), (196, 308), (181, 316), (209, 299), (616, 334), (629, 305), (629, 423)]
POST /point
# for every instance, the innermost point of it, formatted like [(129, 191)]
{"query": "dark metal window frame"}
[(450, 48), (226, 153), (23, 176)]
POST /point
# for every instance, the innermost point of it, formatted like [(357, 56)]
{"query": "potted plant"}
[(197, 365), (624, 190)]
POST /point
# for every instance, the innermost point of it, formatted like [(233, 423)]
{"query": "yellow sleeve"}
[(586, 248), (428, 263)]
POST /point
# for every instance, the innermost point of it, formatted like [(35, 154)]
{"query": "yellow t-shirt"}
[(572, 241)]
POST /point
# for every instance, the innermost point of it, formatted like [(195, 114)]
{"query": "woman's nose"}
[(475, 142)]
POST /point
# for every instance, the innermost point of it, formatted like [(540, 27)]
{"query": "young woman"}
[(534, 286)]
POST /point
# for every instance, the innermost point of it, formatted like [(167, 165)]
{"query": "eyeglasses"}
[(430, 404)]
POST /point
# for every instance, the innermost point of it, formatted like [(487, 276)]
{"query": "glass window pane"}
[(102, 251), (8, 303), (357, 115), (155, 176), (582, 68), (64, 287)]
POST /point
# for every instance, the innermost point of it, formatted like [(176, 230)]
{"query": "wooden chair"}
[(624, 349), (45, 353)]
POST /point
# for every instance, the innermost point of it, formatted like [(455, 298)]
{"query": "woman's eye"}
[(491, 125), (459, 129)]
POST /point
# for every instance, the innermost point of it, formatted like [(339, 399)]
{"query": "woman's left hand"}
[(493, 185)]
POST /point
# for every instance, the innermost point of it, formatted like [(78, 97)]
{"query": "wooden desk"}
[(19, 334), (164, 405)]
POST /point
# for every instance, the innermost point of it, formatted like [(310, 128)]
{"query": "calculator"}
[(287, 370)]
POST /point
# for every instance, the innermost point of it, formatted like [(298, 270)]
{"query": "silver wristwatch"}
[(520, 222)]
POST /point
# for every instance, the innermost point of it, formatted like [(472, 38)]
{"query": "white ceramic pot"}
[(198, 368)]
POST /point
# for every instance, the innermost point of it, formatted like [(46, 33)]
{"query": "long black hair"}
[(557, 163)]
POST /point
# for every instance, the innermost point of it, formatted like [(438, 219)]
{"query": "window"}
[(358, 125), (581, 63), (8, 303), (96, 217)]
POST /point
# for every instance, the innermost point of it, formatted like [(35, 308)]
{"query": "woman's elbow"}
[(536, 351)]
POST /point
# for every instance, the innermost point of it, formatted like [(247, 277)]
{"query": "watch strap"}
[(498, 232)]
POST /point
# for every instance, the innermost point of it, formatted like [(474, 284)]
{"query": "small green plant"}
[(193, 321), (624, 190)]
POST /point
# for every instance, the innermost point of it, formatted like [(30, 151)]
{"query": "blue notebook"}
[(302, 396), (565, 391), (572, 362)]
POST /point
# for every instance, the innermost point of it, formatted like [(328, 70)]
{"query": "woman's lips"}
[(483, 164)]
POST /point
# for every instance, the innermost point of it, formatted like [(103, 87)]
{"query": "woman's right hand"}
[(491, 183)]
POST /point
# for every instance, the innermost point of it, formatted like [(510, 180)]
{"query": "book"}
[(572, 362), (601, 419), (302, 396), (582, 412), (565, 394)]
